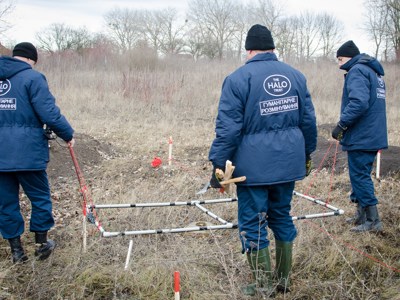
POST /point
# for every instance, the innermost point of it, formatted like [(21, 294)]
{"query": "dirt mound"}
[(88, 151), (325, 155), (91, 153)]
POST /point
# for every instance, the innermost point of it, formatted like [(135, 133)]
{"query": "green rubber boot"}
[(283, 258), (260, 264)]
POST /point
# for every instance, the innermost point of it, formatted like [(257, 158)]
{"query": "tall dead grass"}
[(136, 110)]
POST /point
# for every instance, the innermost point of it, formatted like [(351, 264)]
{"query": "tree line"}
[(382, 24), (216, 29)]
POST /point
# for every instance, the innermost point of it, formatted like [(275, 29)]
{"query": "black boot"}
[(372, 223), (359, 217), (17, 251), (46, 246)]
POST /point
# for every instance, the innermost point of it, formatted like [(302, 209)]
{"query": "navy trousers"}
[(36, 186), (360, 167), (260, 207)]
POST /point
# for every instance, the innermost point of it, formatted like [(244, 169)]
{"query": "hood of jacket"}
[(10, 66), (364, 59)]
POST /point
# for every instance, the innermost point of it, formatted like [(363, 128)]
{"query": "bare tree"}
[(52, 38), (61, 37), (6, 7), (163, 31), (151, 21), (383, 26), (215, 20), (330, 30), (242, 26), (307, 36), (266, 12), (200, 44), (171, 32), (393, 13), (194, 42), (285, 38), (81, 39), (375, 22), (124, 27)]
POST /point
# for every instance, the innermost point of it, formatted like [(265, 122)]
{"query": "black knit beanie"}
[(348, 49), (26, 50), (259, 38)]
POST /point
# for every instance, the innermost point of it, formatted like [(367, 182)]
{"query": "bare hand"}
[(71, 143)]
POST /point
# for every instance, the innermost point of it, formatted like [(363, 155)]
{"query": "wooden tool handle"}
[(232, 180), (219, 174)]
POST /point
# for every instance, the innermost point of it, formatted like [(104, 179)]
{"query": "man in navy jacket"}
[(266, 126), (362, 129), (26, 105)]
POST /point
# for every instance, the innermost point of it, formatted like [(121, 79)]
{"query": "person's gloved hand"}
[(308, 165), (338, 132), (214, 181)]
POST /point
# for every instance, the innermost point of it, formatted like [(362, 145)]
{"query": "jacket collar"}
[(267, 56), (364, 59)]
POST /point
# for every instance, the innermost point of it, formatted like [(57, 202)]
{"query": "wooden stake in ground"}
[(170, 151), (128, 256), (378, 165)]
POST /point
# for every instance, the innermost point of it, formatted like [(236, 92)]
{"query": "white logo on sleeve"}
[(277, 85), (381, 82), (380, 91)]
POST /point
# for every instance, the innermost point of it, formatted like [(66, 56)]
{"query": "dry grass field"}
[(124, 113)]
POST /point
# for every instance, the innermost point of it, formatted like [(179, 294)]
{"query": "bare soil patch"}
[(328, 155), (91, 153)]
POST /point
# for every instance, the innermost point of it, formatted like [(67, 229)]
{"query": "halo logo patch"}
[(5, 86), (380, 90), (277, 85), (381, 82)]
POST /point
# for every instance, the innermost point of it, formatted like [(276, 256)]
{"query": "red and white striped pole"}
[(177, 285)]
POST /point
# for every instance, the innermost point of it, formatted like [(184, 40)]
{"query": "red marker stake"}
[(177, 285)]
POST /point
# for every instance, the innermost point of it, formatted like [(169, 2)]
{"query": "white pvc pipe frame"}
[(197, 203)]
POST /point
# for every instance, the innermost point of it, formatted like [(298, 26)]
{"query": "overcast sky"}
[(31, 16)]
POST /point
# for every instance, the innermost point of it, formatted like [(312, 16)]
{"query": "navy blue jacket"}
[(266, 122), (363, 109), (26, 104)]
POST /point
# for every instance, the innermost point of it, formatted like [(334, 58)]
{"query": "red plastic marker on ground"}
[(156, 162)]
